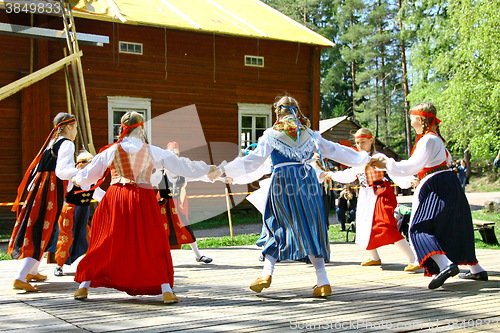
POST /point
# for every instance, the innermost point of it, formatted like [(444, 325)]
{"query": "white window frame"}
[(247, 109), (130, 43), (126, 103)]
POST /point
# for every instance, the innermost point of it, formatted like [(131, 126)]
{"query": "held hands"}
[(74, 182), (379, 161), (214, 173)]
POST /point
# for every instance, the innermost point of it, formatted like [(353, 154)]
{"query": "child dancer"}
[(441, 230), (129, 248), (174, 207), (376, 225), (294, 214), (42, 190), (72, 240)]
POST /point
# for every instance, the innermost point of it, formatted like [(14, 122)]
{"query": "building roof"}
[(325, 125), (245, 18)]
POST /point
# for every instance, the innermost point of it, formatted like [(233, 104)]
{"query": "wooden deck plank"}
[(216, 298)]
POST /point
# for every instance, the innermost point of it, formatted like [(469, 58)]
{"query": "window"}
[(253, 120), (119, 105), (254, 61), (128, 47)]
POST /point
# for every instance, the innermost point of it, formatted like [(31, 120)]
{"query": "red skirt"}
[(179, 232), (385, 226), (129, 248)]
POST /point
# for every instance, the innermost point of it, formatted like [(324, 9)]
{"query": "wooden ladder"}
[(76, 93)]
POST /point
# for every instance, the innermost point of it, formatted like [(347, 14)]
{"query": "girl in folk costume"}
[(174, 208), (72, 240), (42, 190), (376, 225), (129, 248), (441, 230), (294, 215)]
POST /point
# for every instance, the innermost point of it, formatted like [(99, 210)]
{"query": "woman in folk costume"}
[(129, 248), (441, 230), (376, 224), (174, 207), (72, 241), (294, 215), (42, 190)]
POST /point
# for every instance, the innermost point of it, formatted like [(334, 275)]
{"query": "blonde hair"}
[(367, 132), (429, 108), (84, 156), (289, 101)]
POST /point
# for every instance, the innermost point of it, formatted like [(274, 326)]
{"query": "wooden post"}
[(40, 74), (228, 204)]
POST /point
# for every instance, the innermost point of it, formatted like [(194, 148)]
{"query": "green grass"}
[(221, 220), (4, 255), (211, 242)]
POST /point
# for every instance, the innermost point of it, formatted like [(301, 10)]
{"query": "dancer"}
[(441, 230), (376, 225), (72, 241), (294, 214), (42, 189), (174, 207), (129, 248)]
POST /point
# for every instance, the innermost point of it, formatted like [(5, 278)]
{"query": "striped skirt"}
[(294, 217), (442, 223)]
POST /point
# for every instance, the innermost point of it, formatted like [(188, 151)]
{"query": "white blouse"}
[(254, 161), (65, 165), (161, 159), (429, 152)]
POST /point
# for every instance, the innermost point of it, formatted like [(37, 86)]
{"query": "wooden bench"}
[(486, 230)]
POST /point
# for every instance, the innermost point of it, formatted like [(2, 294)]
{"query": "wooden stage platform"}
[(216, 298)]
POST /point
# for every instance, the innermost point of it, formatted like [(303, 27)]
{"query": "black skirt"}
[(442, 223)]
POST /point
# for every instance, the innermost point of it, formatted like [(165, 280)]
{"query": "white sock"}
[(374, 254), (26, 266), (165, 288), (269, 263), (474, 269), (34, 269), (404, 247), (196, 251), (319, 266), (84, 284), (441, 260)]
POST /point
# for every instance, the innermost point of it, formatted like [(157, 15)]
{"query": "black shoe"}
[(261, 258), (204, 259), (442, 276), (58, 271), (481, 276)]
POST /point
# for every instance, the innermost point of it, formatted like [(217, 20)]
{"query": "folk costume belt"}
[(439, 168)]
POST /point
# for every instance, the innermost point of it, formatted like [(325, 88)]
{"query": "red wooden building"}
[(229, 58)]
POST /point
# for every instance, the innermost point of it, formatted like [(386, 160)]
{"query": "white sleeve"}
[(427, 148), (98, 194), (181, 166), (65, 165), (89, 175), (345, 176), (251, 164), (403, 182), (341, 154)]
